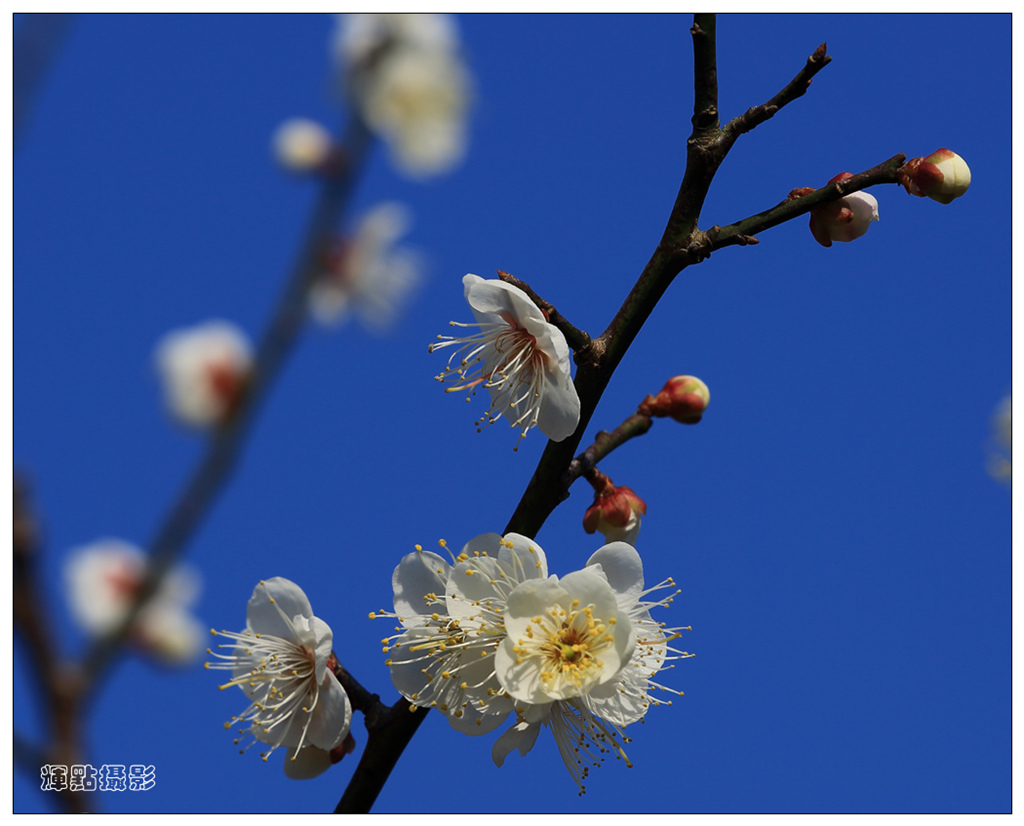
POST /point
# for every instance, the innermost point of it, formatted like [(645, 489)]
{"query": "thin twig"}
[(604, 443)]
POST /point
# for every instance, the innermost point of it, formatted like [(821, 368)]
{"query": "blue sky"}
[(843, 556)]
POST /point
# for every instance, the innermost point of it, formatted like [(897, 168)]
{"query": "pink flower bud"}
[(845, 219), (684, 398), (616, 511), (942, 176)]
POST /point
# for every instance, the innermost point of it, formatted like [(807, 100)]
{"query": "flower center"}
[(504, 359), (568, 645)]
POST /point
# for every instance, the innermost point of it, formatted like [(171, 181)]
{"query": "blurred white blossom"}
[(406, 75), (102, 580), (204, 370), (368, 273)]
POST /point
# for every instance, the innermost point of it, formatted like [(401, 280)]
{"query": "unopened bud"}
[(302, 145), (942, 176), (845, 219), (684, 398), (616, 511)]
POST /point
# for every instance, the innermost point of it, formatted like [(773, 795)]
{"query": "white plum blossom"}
[(302, 145), (493, 633), (368, 273), (280, 661), (406, 75), (451, 626), (518, 356), (102, 580), (204, 371)]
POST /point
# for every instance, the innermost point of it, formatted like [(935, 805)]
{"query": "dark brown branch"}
[(389, 730), (705, 75), (57, 683), (577, 339)]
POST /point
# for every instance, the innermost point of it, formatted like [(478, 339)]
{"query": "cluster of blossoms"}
[(518, 356), (367, 273), (204, 370), (405, 74), (492, 633), (102, 580), (280, 660)]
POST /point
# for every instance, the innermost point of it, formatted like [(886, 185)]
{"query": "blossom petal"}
[(521, 736), (418, 574), (332, 715), (306, 763), (525, 556), (559, 414), (274, 605), (623, 568), (492, 296), (324, 644)]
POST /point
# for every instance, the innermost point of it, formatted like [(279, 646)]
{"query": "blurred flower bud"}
[(845, 219), (616, 511), (302, 145), (684, 398), (942, 176)]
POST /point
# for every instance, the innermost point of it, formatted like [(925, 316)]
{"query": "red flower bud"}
[(616, 511), (684, 398), (942, 176)]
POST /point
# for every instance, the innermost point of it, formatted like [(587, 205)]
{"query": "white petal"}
[(322, 649), (495, 297), (521, 679), (273, 606), (623, 568), (560, 407), (306, 763), (525, 556), (531, 598), (474, 592), (332, 716), (522, 736), (418, 574)]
